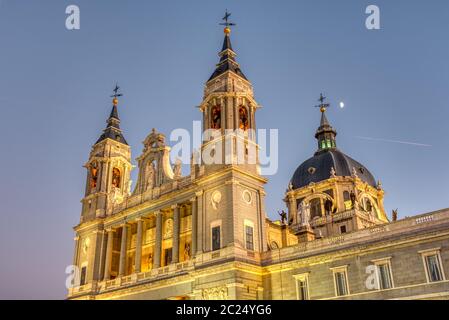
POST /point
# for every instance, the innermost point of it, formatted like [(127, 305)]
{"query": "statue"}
[(150, 261), (283, 216), (128, 190), (354, 173), (304, 212), (187, 251), (177, 169), (395, 215), (333, 172), (290, 186), (150, 176), (379, 185)]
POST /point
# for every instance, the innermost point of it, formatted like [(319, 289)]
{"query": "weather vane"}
[(323, 106), (116, 95), (226, 23)]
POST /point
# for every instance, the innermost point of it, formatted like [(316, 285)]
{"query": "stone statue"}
[(177, 169), (379, 185), (290, 186), (354, 173), (150, 260), (150, 176), (128, 190), (304, 212), (333, 172), (395, 215), (283, 216), (187, 251)]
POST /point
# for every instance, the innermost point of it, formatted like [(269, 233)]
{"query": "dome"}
[(319, 167)]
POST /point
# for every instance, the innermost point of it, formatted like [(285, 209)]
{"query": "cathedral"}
[(207, 235)]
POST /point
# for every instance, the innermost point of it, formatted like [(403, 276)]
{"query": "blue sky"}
[(55, 86)]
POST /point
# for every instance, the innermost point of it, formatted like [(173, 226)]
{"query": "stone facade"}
[(207, 236)]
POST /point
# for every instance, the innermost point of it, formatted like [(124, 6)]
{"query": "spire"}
[(113, 130), (227, 54), (325, 134)]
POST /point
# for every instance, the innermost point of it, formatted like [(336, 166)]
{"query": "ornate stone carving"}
[(168, 230), (218, 293), (215, 199)]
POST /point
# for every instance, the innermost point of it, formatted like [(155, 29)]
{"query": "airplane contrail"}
[(396, 141)]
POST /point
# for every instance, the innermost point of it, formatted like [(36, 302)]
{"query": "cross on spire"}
[(116, 95), (116, 90), (323, 106), (226, 20)]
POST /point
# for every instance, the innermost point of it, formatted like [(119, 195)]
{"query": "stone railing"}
[(171, 270), (373, 233)]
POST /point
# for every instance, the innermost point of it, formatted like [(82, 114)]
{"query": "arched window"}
[(315, 208), (93, 175), (368, 205), (116, 178), (347, 200), (243, 119), (215, 117)]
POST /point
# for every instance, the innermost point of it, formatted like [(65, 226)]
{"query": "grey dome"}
[(319, 167)]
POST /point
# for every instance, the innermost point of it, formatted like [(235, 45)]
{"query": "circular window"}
[(311, 170), (247, 197)]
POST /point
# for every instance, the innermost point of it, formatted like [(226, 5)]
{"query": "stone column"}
[(75, 255), (176, 231), (200, 224), (292, 209), (108, 262), (194, 225), (262, 227), (139, 245), (122, 266), (158, 246)]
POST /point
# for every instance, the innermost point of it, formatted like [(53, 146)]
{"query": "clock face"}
[(86, 245)]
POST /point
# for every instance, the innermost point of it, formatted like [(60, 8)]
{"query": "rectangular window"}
[(168, 256), (434, 268), (302, 286), (249, 236), (384, 274), (83, 276), (342, 229), (341, 281), (216, 241), (433, 265)]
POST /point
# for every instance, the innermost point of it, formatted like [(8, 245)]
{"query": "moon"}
[(342, 104)]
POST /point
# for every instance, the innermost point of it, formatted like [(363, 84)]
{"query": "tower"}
[(331, 193), (229, 110), (108, 169), (235, 213)]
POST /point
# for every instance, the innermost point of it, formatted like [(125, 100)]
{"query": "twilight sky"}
[(55, 86)]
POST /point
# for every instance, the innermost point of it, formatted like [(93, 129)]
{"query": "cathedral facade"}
[(206, 236)]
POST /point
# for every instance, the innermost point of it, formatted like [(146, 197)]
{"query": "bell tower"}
[(229, 110), (108, 169), (228, 170)]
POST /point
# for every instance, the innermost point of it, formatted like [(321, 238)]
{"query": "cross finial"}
[(116, 95), (323, 106), (226, 23)]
